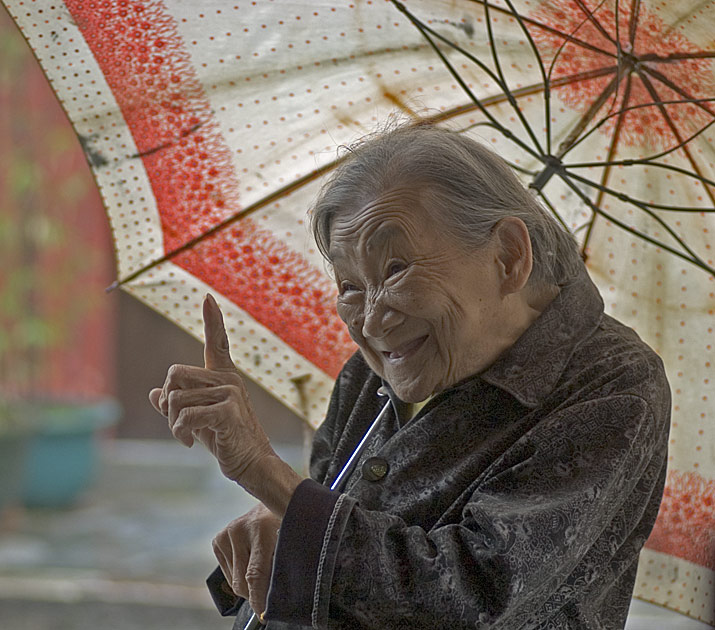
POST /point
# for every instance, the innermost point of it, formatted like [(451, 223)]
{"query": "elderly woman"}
[(519, 467)]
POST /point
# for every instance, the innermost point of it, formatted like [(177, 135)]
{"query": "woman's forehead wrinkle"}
[(378, 228), (372, 230), (381, 237)]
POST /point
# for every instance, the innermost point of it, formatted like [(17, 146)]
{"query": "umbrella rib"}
[(669, 167), (168, 143), (656, 98), (592, 18), (695, 261), (503, 82), (492, 46), (619, 51), (650, 213), (548, 28), (552, 66), (605, 119), (686, 209), (547, 88), (681, 143), (616, 21), (639, 202), (521, 169), (587, 117), (647, 70), (633, 22), (513, 165), (581, 76), (672, 57), (424, 29), (527, 90), (607, 171), (561, 47), (274, 196)]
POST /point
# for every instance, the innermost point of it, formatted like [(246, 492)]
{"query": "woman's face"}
[(424, 313)]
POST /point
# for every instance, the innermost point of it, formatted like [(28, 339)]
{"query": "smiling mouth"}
[(404, 351)]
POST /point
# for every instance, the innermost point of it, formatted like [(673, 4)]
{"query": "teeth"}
[(398, 354)]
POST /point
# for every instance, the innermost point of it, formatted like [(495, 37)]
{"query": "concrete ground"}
[(134, 552)]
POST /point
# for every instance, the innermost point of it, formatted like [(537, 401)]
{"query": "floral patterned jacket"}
[(518, 499)]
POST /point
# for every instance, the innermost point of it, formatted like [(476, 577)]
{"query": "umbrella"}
[(208, 128)]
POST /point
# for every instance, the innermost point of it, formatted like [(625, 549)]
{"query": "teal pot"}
[(13, 450), (62, 457)]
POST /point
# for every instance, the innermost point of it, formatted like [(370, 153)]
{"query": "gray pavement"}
[(133, 553)]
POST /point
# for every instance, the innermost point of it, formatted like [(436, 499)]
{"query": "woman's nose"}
[(379, 319)]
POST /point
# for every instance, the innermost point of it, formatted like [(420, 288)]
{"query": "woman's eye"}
[(348, 287), (395, 268)]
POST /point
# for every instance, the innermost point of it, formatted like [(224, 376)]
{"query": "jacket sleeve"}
[(547, 516), (226, 602)]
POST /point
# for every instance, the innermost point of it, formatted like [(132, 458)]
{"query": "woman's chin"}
[(411, 392), (408, 388)]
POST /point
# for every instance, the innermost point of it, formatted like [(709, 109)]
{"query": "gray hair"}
[(468, 184)]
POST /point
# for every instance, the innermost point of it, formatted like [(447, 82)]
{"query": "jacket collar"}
[(399, 406), (530, 369)]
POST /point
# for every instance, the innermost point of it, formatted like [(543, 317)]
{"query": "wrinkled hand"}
[(211, 405), (244, 550)]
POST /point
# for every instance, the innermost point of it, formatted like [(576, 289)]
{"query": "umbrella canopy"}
[(209, 127)]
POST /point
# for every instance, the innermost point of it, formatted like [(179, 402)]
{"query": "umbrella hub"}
[(628, 62), (552, 165)]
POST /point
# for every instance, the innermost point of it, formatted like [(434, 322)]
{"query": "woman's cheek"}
[(351, 314), (417, 298)]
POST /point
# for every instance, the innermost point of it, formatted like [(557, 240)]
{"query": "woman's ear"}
[(513, 251)]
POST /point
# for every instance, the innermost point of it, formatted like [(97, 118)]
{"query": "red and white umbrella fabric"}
[(209, 126)]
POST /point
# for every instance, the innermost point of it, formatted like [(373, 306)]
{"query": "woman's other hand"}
[(244, 550)]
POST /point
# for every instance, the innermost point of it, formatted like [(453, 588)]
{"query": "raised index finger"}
[(216, 348)]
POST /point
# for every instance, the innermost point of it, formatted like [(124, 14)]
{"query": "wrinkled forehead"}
[(396, 215)]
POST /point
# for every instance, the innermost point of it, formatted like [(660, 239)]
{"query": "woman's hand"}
[(211, 405), (244, 550)]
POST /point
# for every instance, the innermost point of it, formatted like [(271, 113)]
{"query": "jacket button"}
[(374, 469)]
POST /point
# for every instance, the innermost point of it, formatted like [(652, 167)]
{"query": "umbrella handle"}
[(353, 459), (255, 622)]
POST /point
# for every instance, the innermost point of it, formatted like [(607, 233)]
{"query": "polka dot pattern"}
[(676, 584), (192, 113)]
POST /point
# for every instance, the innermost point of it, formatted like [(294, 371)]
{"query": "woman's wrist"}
[(272, 481)]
